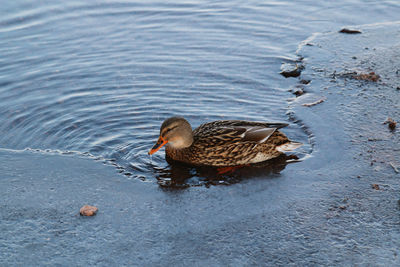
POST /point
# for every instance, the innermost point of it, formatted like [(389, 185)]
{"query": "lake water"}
[(97, 78)]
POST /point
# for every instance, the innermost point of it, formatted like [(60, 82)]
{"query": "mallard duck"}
[(222, 143)]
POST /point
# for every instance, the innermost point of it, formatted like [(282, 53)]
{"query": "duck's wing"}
[(226, 132), (257, 134), (276, 125), (231, 123)]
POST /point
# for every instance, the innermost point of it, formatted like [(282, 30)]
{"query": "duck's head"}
[(175, 132)]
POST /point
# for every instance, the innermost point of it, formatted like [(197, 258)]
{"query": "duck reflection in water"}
[(180, 175)]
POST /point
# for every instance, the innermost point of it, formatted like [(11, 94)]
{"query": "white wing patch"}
[(260, 157), (289, 146)]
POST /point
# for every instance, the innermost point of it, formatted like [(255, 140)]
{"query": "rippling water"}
[(98, 78)]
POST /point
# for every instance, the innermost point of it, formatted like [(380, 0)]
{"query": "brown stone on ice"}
[(375, 186), (349, 31), (391, 123), (372, 76), (291, 70), (314, 103), (298, 92), (88, 210)]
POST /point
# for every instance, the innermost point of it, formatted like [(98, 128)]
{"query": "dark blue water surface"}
[(98, 77)]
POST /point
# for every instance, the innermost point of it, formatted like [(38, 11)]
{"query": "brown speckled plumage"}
[(221, 143)]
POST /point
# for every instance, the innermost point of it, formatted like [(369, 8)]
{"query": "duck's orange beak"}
[(160, 143)]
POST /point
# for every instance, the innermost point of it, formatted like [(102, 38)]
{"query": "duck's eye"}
[(168, 130)]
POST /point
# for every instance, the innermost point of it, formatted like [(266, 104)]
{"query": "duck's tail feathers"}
[(289, 146)]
